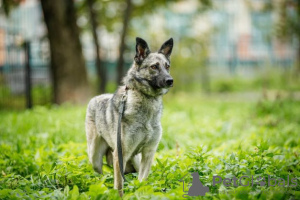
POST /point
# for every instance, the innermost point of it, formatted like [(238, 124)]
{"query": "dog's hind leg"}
[(98, 150), (97, 147), (109, 158), (133, 165)]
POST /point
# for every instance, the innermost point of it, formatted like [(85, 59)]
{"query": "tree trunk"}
[(101, 71), (298, 37), (67, 64), (298, 58), (120, 66)]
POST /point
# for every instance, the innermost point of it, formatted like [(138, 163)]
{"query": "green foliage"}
[(272, 78), (43, 151)]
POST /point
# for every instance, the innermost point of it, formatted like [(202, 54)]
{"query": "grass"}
[(43, 151)]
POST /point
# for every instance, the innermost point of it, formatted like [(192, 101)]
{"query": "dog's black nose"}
[(169, 82)]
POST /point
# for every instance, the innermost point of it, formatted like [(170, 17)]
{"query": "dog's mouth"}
[(160, 87), (166, 86), (169, 86)]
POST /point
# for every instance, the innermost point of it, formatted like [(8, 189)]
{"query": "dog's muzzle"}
[(169, 82), (166, 82)]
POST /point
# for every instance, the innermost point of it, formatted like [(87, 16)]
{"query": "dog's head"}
[(151, 71)]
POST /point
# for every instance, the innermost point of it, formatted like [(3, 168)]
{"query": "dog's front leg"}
[(118, 180), (147, 158)]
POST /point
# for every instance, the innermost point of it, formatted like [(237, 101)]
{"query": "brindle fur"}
[(141, 128)]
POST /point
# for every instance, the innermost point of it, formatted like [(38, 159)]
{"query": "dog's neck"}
[(139, 101), (132, 83), (141, 92)]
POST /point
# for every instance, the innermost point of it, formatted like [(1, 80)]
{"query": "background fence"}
[(25, 77), (240, 42)]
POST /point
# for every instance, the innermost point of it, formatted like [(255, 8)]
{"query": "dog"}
[(140, 129)]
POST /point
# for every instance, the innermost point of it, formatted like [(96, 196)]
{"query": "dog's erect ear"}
[(142, 50), (166, 48)]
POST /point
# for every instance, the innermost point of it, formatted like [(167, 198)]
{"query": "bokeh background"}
[(234, 109), (76, 49)]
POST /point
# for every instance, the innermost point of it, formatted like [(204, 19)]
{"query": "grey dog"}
[(146, 82)]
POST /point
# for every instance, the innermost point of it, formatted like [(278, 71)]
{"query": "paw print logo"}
[(261, 181)]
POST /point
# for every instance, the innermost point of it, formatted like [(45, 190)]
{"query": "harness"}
[(119, 144)]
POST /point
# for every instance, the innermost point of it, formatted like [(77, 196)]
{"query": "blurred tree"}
[(126, 21), (116, 16), (288, 24), (67, 63), (101, 71)]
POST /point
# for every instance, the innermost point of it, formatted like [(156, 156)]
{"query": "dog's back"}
[(97, 103)]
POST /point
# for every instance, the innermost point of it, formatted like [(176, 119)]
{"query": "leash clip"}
[(124, 97)]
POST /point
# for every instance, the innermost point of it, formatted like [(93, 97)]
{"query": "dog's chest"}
[(142, 116), (143, 110), (142, 126)]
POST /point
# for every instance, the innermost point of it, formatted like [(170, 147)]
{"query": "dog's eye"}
[(154, 66), (167, 66)]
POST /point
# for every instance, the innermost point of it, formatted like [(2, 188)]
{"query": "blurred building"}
[(240, 37), (245, 37), (240, 34)]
